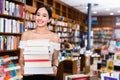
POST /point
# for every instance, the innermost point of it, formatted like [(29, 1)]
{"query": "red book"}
[(37, 63), (78, 77)]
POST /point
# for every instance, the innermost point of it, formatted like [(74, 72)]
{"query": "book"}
[(44, 42), (110, 65), (38, 70), (109, 78), (37, 63), (77, 77), (2, 6), (37, 49), (36, 56), (34, 52)]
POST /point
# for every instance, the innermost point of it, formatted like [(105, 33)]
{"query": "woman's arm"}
[(21, 61), (55, 61), (21, 45), (55, 55)]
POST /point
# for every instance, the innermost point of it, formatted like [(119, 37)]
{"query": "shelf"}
[(30, 20), (9, 52), (16, 34), (11, 17), (17, 1), (50, 2)]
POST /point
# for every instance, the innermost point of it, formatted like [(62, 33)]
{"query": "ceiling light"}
[(111, 13), (107, 9), (94, 12), (86, 7)]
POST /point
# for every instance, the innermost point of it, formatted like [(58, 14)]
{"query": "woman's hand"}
[(54, 70), (22, 70)]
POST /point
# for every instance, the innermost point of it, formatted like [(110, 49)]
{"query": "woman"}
[(43, 17)]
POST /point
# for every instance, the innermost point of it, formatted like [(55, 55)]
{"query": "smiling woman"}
[(41, 32)]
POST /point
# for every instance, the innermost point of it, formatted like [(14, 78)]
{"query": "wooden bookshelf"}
[(11, 28), (13, 22)]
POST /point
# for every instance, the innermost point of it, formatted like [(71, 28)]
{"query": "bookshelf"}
[(29, 17), (12, 15), (102, 35), (11, 27)]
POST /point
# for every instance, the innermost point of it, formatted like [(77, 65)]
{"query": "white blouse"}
[(52, 45)]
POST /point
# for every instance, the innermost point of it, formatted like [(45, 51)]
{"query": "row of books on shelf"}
[(29, 16), (29, 24), (9, 69), (9, 43), (11, 8), (107, 37), (59, 28), (64, 34), (11, 26), (76, 33), (60, 23), (76, 40), (62, 29)]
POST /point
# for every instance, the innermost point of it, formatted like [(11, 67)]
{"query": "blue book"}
[(109, 78)]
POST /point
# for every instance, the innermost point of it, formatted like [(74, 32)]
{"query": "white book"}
[(35, 52), (38, 63), (37, 48), (44, 42), (1, 24), (36, 56), (38, 70)]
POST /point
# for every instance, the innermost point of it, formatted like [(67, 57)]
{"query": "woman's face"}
[(42, 17)]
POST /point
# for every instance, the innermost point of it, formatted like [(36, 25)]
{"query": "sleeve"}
[(55, 46), (22, 44)]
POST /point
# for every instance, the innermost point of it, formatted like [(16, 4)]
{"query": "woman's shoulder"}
[(54, 37), (26, 34)]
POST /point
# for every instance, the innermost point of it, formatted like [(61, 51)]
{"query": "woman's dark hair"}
[(47, 8)]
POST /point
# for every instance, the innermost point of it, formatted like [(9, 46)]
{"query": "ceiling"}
[(98, 7)]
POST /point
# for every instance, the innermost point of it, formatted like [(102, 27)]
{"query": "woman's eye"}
[(44, 15)]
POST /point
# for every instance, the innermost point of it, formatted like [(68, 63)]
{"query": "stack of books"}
[(37, 57)]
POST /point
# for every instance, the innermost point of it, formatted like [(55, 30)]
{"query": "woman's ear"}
[(49, 20)]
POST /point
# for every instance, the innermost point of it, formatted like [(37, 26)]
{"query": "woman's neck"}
[(41, 29)]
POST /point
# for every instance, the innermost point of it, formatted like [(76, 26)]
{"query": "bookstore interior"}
[(89, 43)]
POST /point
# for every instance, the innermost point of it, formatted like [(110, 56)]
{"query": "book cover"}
[(110, 65), (37, 56), (34, 52), (38, 70), (77, 77), (2, 5), (37, 49), (44, 42), (109, 78)]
